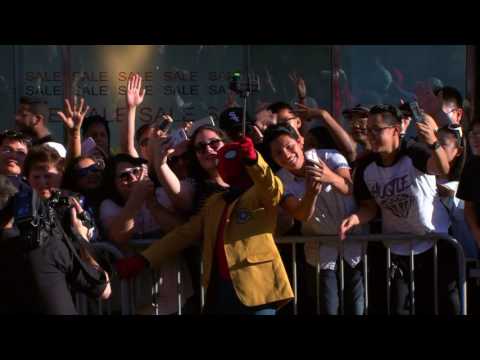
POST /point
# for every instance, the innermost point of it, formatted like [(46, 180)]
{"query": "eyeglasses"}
[(17, 153), (92, 169), (375, 131), (201, 147), (126, 175)]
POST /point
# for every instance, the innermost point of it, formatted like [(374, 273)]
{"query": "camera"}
[(61, 204), (242, 87)]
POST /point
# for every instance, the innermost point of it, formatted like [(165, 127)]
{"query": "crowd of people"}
[(224, 197)]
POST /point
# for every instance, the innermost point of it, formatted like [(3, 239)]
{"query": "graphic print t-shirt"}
[(406, 195)]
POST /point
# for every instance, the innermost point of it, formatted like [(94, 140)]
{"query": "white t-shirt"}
[(144, 224), (330, 210), (406, 195)]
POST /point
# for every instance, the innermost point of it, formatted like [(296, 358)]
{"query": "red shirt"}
[(220, 256)]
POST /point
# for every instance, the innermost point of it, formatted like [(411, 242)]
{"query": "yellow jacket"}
[(255, 265)]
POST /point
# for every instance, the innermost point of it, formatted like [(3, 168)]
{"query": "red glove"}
[(247, 149), (131, 266)]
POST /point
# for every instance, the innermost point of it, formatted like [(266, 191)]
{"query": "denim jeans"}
[(222, 299), (448, 292), (354, 298)]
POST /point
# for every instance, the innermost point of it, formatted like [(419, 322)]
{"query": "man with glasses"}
[(449, 106), (400, 181), (357, 118)]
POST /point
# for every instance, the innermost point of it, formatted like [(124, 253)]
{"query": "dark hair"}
[(323, 138), (449, 93), (195, 170), (141, 130), (275, 131), (391, 114), (42, 154), (14, 135), (69, 180), (96, 119), (459, 162), (36, 105), (108, 186), (279, 105)]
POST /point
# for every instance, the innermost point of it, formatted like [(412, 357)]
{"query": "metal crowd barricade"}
[(157, 280), (388, 240), (82, 301), (128, 287)]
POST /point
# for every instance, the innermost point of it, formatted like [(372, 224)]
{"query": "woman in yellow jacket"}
[(243, 270)]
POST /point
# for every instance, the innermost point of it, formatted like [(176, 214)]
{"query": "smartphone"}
[(416, 112), (164, 124), (178, 136), (311, 157), (204, 121), (88, 145)]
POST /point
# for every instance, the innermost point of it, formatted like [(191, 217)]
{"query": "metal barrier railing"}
[(127, 287), (388, 240)]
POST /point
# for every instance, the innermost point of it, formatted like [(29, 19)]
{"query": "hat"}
[(58, 147), (359, 110), (231, 119)]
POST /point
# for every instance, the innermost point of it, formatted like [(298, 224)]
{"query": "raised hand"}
[(299, 83), (73, 118), (135, 93), (306, 112)]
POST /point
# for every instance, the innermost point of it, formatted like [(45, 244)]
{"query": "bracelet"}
[(434, 146)]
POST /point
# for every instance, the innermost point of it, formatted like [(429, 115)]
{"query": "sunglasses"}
[(201, 147), (126, 175), (92, 169)]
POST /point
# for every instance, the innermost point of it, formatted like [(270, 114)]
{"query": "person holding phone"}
[(400, 182), (318, 193), (134, 209)]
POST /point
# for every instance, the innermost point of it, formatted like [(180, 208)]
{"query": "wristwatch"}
[(434, 146)]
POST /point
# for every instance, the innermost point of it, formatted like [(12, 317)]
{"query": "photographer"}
[(41, 265)]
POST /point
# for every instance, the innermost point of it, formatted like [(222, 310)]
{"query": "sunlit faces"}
[(126, 176), (288, 116), (207, 143), (45, 178), (358, 126), (382, 135), (287, 153), (12, 156)]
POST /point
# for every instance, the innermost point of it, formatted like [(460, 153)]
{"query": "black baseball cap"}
[(231, 119), (359, 110)]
